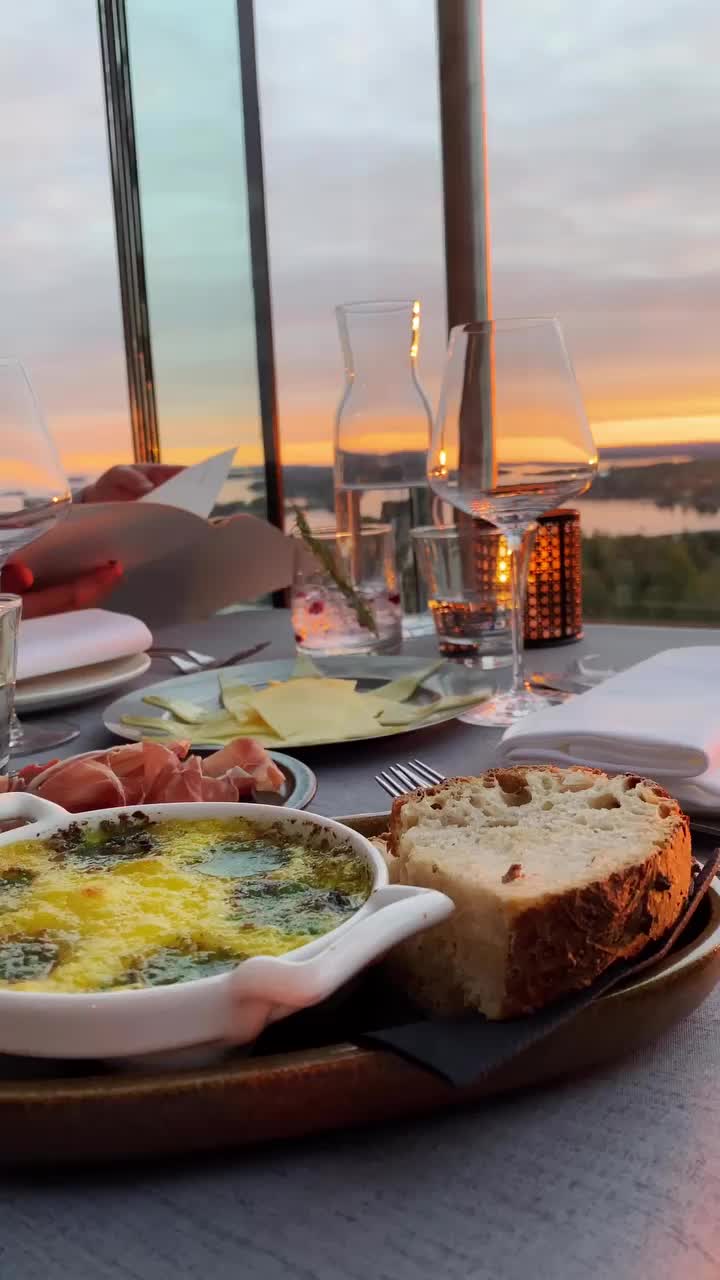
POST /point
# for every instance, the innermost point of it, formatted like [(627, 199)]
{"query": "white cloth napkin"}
[(65, 641), (660, 718)]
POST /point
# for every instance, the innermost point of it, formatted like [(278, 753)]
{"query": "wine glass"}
[(510, 441), (34, 495)]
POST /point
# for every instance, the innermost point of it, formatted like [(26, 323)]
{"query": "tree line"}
[(673, 578)]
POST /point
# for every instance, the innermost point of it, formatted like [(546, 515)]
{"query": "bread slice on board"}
[(555, 874)]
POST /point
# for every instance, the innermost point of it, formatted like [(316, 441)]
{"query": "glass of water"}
[(34, 495), (346, 599), (467, 577), (10, 610)]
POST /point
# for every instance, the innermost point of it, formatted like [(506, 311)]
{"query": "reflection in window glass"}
[(185, 72), (354, 198), (602, 123), (60, 310)]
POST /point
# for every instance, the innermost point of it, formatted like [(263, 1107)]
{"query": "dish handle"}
[(23, 804), (283, 984)]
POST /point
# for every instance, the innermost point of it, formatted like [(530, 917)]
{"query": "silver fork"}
[(187, 665), (401, 778), (188, 661), (183, 659)]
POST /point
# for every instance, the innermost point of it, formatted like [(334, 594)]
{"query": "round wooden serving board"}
[(57, 1113)]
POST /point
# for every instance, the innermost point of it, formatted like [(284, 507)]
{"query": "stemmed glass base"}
[(35, 495), (26, 739), (506, 708), (29, 739)]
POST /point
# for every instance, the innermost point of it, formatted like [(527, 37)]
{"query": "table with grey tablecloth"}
[(613, 1175)]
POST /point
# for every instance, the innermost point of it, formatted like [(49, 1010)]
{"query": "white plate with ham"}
[(160, 773)]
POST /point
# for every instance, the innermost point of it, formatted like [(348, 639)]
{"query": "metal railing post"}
[(129, 238), (467, 213), (465, 179), (128, 229), (260, 263)]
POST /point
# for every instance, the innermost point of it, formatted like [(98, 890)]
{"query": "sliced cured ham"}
[(179, 784), (249, 755), (78, 785), (30, 771), (151, 773), (139, 764)]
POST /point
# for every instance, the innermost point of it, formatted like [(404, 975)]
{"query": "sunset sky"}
[(603, 124)]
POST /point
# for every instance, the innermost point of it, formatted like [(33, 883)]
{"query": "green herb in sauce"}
[(25, 958), (122, 840), (170, 965), (294, 908), (14, 883), (138, 903), (329, 868)]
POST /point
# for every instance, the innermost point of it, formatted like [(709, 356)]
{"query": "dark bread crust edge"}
[(567, 940), (565, 943)]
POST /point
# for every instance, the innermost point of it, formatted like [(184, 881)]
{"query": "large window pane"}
[(354, 197), (60, 309), (605, 202), (184, 61)]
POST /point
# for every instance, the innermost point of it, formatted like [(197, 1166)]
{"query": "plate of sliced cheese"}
[(297, 703)]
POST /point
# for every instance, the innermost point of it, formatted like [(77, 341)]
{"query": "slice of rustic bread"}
[(555, 874)]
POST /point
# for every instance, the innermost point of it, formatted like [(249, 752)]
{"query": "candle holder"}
[(553, 604)]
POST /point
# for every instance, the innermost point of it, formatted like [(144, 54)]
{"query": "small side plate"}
[(299, 786), (301, 783), (80, 684)]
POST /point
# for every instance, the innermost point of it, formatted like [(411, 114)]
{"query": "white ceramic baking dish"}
[(228, 1008)]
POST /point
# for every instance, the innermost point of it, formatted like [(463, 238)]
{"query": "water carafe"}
[(382, 431)]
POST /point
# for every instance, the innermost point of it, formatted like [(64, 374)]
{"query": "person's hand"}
[(125, 484), (83, 592)]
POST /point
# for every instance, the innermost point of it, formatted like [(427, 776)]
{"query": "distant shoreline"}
[(641, 490)]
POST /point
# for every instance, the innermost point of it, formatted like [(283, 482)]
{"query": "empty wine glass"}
[(510, 441), (34, 495)]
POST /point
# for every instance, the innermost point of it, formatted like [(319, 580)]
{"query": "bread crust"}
[(564, 941)]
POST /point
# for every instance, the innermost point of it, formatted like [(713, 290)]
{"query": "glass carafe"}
[(382, 433)]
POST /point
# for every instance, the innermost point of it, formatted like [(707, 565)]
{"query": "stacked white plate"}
[(73, 657)]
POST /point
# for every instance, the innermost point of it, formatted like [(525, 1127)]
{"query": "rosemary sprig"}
[(325, 556)]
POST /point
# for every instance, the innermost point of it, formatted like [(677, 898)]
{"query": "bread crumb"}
[(511, 780), (513, 872)]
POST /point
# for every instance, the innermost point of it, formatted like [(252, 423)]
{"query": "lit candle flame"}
[(503, 564), (415, 326)]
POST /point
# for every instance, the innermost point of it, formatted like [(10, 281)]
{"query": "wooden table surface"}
[(615, 1176)]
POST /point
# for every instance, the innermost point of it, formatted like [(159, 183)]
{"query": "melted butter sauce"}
[(137, 904)]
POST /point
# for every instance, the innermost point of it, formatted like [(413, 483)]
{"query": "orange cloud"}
[(306, 440), (652, 431)]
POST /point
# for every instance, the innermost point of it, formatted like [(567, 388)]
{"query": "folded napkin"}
[(660, 718), (69, 640)]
